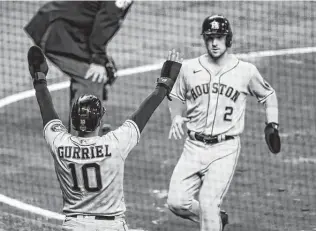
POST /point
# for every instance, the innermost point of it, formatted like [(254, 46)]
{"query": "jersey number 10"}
[(84, 171)]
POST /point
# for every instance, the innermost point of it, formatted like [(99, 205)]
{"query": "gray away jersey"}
[(216, 103), (91, 170)]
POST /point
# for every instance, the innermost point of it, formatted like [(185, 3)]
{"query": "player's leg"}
[(216, 181), (185, 183), (119, 224), (76, 224), (90, 224)]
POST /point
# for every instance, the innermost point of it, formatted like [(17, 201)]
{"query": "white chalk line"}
[(36, 210), (129, 71), (152, 67), (30, 208)]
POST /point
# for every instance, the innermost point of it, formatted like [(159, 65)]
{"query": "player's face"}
[(215, 45)]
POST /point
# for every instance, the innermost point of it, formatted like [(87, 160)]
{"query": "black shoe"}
[(37, 63), (106, 128), (224, 217)]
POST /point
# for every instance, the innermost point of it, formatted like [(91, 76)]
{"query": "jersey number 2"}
[(229, 112), (84, 170)]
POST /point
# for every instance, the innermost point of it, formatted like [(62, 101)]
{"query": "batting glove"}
[(37, 64), (272, 137), (170, 71)]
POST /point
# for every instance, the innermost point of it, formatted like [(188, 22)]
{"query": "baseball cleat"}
[(224, 217), (37, 63)]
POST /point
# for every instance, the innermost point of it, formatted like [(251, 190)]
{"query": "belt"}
[(208, 139), (93, 217)]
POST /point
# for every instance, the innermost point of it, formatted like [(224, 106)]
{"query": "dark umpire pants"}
[(73, 68)]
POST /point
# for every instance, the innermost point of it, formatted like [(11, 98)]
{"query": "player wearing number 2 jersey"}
[(90, 168), (210, 95)]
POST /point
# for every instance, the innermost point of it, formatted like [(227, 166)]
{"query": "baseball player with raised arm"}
[(90, 168), (210, 97)]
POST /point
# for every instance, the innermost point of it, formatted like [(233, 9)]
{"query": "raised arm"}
[(169, 74), (38, 69)]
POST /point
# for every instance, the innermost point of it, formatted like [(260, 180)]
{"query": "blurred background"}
[(268, 192)]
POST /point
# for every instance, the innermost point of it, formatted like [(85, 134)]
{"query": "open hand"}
[(174, 55), (176, 130), (97, 73)]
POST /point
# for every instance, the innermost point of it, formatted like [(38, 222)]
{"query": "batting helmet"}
[(217, 25), (86, 113)]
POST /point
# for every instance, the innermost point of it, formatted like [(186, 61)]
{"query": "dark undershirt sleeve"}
[(45, 102), (148, 106)]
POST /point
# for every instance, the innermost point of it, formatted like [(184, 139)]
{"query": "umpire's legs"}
[(79, 87), (185, 183)]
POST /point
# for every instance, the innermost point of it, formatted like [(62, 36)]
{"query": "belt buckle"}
[(212, 139), (204, 138), (208, 139)]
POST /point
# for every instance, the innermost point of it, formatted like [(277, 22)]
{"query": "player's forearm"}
[(148, 106), (45, 102), (176, 107), (272, 111)]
